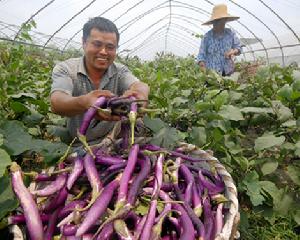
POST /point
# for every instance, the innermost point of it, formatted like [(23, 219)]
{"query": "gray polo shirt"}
[(71, 77)]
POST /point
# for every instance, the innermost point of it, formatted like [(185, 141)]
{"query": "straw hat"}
[(219, 12)]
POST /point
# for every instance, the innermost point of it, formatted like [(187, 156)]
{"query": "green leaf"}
[(294, 173), (1, 139), (18, 107), (154, 124), (201, 106), (283, 112), (268, 141), (23, 95), (4, 161), (17, 140), (51, 151), (253, 191), (186, 93), (256, 110), (297, 217), (179, 100), (253, 188), (8, 201), (283, 202), (221, 99), (269, 167), (231, 113), (198, 135), (270, 188), (285, 92), (289, 123), (297, 149), (166, 137), (243, 162)]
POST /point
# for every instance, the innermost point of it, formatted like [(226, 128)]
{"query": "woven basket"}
[(232, 217)]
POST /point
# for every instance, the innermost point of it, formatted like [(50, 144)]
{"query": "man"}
[(79, 82), (220, 44)]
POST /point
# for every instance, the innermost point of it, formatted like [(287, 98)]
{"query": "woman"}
[(220, 44)]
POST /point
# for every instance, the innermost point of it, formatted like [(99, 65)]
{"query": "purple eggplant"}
[(31, 213), (98, 208), (76, 171)]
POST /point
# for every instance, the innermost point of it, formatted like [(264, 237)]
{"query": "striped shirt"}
[(71, 77), (213, 48)]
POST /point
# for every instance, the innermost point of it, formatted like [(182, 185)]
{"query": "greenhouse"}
[(174, 119)]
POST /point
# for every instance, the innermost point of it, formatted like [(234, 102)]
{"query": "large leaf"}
[(231, 113), (256, 110), (17, 140), (154, 124), (166, 137), (8, 201), (283, 112), (198, 135), (294, 173), (270, 188), (297, 149), (269, 167), (4, 161), (283, 203), (268, 141), (179, 100), (23, 95), (297, 217), (253, 188), (51, 151)]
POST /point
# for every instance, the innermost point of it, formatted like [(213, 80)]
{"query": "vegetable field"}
[(251, 124)]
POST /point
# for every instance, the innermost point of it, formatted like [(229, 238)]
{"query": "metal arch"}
[(128, 10), (284, 22), (138, 34), (179, 26), (151, 35), (9, 27), (253, 15), (71, 38), (148, 38), (29, 19), (188, 6), (144, 46), (170, 19), (159, 6), (175, 33), (67, 22)]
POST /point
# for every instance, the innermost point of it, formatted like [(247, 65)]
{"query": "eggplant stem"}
[(63, 157), (95, 195), (83, 140), (79, 194)]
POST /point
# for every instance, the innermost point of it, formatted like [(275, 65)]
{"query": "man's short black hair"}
[(101, 24)]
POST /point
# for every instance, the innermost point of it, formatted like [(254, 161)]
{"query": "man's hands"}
[(139, 90), (67, 105), (91, 98)]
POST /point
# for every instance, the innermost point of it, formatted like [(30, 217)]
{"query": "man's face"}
[(100, 50)]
